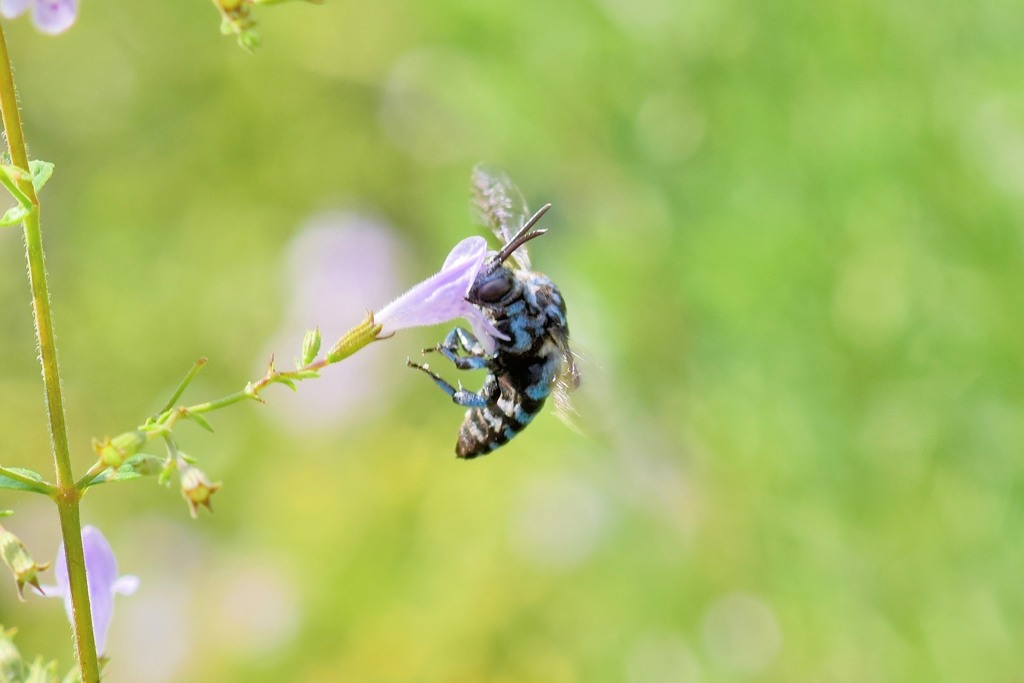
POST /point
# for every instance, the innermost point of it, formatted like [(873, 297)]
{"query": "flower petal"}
[(442, 296), (126, 585), (101, 572), (54, 16), (469, 253), (99, 558), (483, 329), (13, 8)]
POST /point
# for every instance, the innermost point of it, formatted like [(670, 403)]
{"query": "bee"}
[(535, 360)]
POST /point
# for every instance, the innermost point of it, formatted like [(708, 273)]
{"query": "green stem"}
[(96, 470), (191, 375), (67, 496), (12, 187), (219, 403), (169, 416)]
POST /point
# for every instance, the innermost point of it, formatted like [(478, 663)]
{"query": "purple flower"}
[(101, 570), (49, 16), (442, 297)]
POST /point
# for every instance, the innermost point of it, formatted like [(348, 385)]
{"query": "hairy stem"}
[(67, 496)]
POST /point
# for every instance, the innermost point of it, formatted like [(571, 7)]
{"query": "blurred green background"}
[(789, 235)]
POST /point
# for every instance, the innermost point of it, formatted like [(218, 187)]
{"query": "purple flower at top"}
[(49, 16), (101, 570), (442, 297)]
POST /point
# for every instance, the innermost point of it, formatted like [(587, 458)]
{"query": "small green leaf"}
[(41, 672), (201, 421), (41, 172), (135, 467), (74, 676), (6, 513), (15, 485), (12, 172), (12, 668), (13, 216)]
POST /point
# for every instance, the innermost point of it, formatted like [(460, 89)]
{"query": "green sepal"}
[(40, 172), (250, 40), (135, 467), (355, 339), (15, 485), (22, 565), (166, 471)]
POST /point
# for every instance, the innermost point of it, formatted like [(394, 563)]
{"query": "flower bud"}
[(196, 488), (310, 346), (113, 452), (21, 563)]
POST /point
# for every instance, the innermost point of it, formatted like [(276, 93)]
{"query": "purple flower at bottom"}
[(442, 297), (101, 570), (49, 16)]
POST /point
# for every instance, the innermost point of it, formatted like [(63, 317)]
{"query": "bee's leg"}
[(459, 396), (459, 339)]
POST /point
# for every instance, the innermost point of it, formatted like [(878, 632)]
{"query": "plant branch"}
[(67, 496)]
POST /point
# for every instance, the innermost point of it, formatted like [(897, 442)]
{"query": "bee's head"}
[(493, 283), (495, 280)]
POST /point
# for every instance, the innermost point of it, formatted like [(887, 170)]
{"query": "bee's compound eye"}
[(491, 291)]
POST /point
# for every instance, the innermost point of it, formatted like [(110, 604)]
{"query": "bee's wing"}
[(498, 204), (567, 381)]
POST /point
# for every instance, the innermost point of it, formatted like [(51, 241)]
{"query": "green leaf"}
[(135, 467), (201, 421), (41, 172), (41, 672), (14, 484), (6, 513), (13, 216), (74, 676)]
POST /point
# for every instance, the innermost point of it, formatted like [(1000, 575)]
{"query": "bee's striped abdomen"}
[(515, 391), (484, 429)]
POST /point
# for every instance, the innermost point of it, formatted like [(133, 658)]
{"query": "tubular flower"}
[(101, 570), (49, 16), (442, 297)]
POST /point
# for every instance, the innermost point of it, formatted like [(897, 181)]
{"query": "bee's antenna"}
[(523, 236)]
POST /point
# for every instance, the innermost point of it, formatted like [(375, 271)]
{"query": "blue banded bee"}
[(534, 361)]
